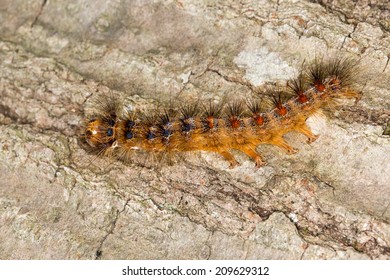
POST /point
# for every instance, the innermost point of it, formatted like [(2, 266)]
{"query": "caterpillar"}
[(240, 125)]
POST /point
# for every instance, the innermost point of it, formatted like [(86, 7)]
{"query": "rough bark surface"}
[(329, 201)]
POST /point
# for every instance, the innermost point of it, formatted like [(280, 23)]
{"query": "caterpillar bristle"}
[(211, 113), (256, 106), (315, 70), (341, 68), (343, 71), (189, 111), (279, 98), (212, 110), (235, 109), (106, 106), (165, 118), (165, 124), (298, 87), (149, 118), (234, 112)]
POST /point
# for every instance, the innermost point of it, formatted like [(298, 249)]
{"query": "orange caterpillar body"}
[(221, 129)]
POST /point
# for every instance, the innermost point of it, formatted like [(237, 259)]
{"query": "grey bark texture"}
[(329, 201)]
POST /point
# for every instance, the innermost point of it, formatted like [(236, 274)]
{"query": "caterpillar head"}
[(100, 133)]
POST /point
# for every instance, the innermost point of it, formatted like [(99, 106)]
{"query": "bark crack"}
[(236, 80), (39, 13), (99, 251), (348, 36)]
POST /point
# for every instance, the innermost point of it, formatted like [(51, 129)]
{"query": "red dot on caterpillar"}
[(298, 87), (319, 86), (258, 119), (210, 122), (280, 106), (221, 128), (234, 112)]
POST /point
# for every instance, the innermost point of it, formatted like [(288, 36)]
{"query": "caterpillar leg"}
[(305, 130), (230, 158), (281, 143), (254, 155), (352, 94)]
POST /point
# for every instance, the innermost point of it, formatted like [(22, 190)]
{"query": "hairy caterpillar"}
[(239, 125)]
